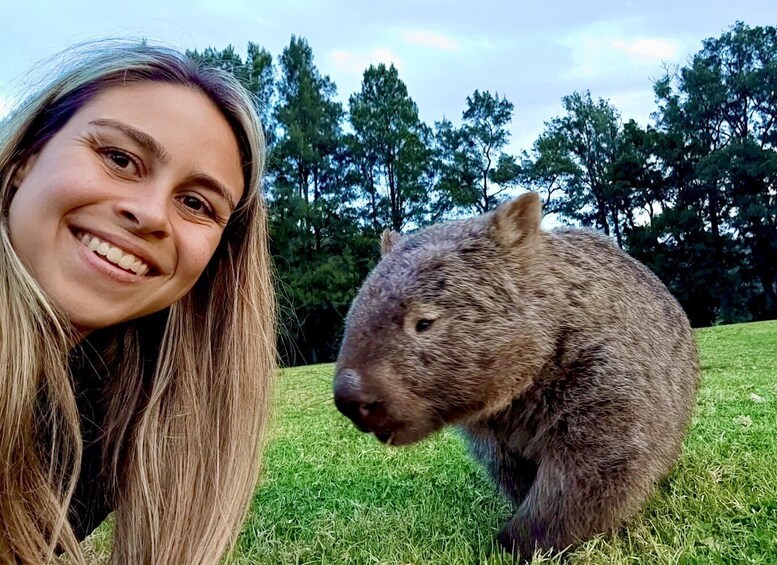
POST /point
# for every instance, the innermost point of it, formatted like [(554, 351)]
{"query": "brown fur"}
[(568, 365)]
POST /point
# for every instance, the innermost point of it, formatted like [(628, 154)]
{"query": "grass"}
[(330, 495)]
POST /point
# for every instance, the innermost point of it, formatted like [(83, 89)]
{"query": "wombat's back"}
[(609, 309), (617, 300), (607, 284)]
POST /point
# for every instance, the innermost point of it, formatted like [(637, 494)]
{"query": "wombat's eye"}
[(423, 325)]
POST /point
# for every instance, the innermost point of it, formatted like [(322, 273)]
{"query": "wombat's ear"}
[(388, 240), (517, 219)]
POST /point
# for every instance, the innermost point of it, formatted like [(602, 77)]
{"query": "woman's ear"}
[(22, 169)]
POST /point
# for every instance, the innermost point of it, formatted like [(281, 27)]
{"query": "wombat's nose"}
[(353, 401)]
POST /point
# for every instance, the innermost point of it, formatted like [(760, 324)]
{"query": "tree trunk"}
[(617, 228), (601, 216), (396, 204)]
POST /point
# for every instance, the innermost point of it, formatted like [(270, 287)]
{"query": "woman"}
[(137, 337)]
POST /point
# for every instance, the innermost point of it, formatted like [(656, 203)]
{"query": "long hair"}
[(183, 434)]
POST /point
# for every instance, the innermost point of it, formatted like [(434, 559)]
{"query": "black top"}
[(92, 500), (90, 503)]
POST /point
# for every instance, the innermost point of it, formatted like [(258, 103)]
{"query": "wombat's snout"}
[(365, 410)]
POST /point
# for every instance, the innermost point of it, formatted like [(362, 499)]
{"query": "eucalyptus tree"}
[(549, 169), (474, 172), (722, 106), (485, 133), (574, 155), (314, 236), (393, 142)]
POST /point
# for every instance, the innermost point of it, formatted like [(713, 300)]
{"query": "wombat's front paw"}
[(511, 543)]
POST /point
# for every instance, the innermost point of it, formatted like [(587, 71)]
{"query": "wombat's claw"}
[(385, 437)]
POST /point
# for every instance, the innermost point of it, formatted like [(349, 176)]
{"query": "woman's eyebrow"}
[(212, 184), (140, 137)]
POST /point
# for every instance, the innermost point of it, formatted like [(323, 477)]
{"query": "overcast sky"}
[(531, 52)]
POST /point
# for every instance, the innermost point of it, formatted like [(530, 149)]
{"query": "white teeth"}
[(115, 255), (140, 268), (126, 261)]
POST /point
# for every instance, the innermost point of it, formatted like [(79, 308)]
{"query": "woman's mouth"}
[(113, 254)]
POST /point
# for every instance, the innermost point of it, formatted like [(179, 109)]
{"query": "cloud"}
[(608, 49), (648, 49), (346, 67), (357, 61), (443, 43), (430, 39)]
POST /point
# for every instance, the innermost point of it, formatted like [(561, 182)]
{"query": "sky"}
[(531, 52)]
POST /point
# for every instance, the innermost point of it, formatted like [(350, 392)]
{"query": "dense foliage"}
[(693, 195)]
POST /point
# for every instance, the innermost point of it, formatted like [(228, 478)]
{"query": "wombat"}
[(569, 366)]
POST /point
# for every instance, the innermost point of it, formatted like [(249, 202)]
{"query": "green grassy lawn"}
[(330, 494)]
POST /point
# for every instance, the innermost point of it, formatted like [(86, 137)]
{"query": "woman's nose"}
[(147, 211)]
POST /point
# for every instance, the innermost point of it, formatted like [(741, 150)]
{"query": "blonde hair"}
[(187, 407)]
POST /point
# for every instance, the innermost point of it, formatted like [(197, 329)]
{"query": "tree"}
[(575, 154), (314, 237), (393, 143), (473, 169), (549, 170), (484, 126), (309, 119), (722, 106)]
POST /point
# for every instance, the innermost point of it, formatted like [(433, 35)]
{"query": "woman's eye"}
[(121, 160), (423, 325), (196, 205)]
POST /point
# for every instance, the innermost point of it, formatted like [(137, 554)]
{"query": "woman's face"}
[(120, 212)]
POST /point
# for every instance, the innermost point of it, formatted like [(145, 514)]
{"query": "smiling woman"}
[(137, 338)]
